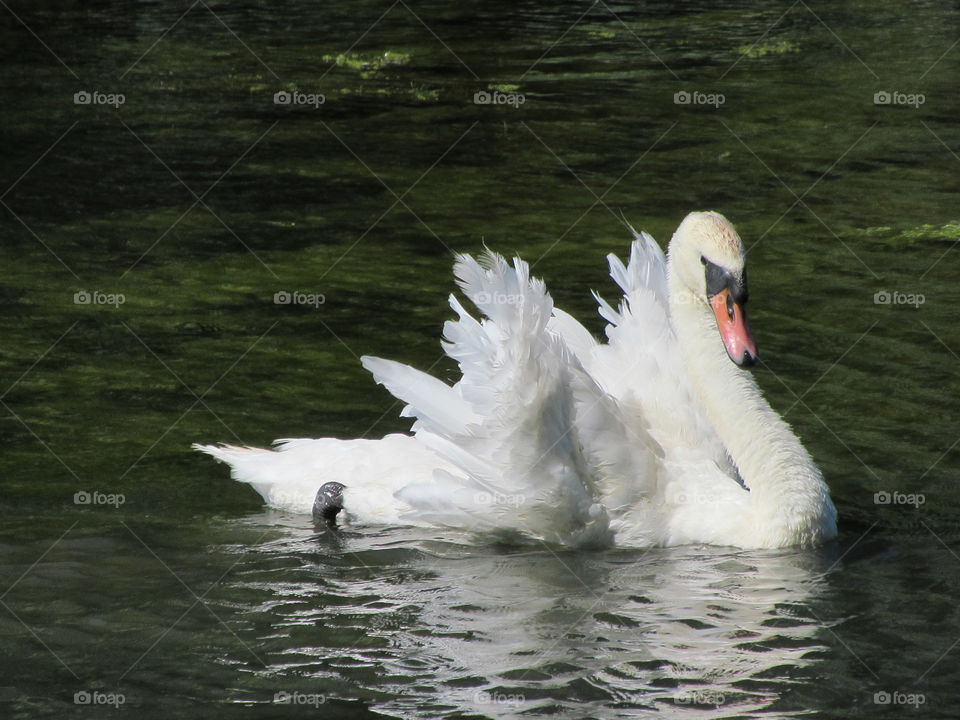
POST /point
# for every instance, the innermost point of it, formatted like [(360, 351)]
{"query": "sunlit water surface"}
[(199, 199)]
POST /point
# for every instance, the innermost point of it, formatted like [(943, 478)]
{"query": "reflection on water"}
[(686, 632), (251, 611), (189, 596)]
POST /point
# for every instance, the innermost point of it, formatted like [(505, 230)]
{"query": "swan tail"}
[(262, 469), (244, 461), (289, 475)]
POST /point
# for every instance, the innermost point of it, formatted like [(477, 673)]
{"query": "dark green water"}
[(198, 199)]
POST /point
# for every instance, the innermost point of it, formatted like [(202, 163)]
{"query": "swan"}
[(658, 436)]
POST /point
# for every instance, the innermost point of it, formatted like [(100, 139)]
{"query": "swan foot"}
[(328, 503)]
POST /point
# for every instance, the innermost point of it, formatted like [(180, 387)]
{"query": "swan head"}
[(708, 259)]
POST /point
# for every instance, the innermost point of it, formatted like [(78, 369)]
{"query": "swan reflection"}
[(452, 627)]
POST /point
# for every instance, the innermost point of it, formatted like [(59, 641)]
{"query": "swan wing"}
[(520, 465), (642, 368), (548, 434)]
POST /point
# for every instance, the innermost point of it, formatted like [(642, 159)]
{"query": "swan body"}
[(659, 436)]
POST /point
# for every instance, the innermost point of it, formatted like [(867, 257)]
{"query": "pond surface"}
[(157, 195)]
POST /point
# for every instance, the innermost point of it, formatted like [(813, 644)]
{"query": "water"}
[(198, 199)]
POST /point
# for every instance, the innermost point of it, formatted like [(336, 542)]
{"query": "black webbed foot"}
[(328, 503)]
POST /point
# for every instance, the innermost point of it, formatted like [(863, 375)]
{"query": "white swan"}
[(657, 437)]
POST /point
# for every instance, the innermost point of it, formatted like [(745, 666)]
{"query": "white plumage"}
[(652, 438)]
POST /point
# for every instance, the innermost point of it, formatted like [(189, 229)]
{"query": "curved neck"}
[(786, 486)]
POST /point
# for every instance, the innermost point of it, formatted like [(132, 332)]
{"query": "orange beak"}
[(734, 329)]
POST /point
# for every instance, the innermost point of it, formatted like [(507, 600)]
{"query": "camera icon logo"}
[(881, 498), (82, 98), (282, 97), (681, 98), (482, 97), (882, 97), (82, 498), (882, 297), (282, 298), (82, 697)]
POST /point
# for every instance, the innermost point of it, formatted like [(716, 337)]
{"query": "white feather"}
[(646, 439)]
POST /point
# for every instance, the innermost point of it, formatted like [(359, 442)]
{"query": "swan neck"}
[(765, 450)]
